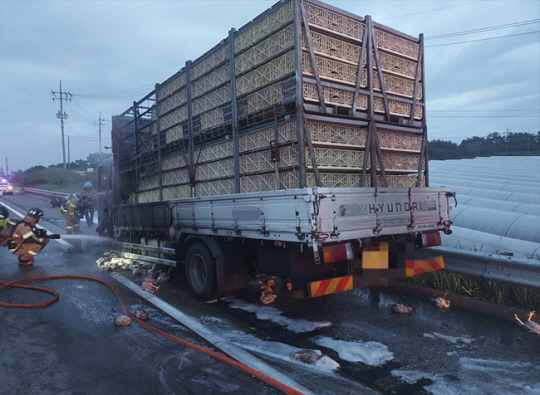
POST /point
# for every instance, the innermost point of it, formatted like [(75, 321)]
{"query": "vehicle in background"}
[(5, 187)]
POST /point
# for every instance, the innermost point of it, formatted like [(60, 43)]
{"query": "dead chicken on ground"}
[(153, 277), (306, 355), (142, 314), (529, 325), (267, 290), (401, 308), (111, 261), (122, 320), (441, 303)]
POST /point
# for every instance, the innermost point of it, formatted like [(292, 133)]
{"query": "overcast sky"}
[(109, 53)]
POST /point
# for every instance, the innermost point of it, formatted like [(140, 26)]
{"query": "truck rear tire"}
[(201, 272)]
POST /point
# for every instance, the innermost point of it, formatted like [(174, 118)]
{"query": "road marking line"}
[(194, 325)]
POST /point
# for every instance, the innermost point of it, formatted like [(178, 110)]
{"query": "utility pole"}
[(506, 141), (64, 96), (69, 156), (100, 122)]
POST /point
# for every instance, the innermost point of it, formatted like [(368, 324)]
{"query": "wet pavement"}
[(73, 346)]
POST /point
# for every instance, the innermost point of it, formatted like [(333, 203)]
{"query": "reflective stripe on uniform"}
[(27, 235), (32, 252)]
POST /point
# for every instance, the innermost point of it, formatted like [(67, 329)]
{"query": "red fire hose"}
[(21, 283)]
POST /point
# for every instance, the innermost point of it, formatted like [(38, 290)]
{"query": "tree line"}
[(494, 144)]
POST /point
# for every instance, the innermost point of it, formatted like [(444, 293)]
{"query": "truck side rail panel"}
[(349, 213), (281, 215), (315, 214)]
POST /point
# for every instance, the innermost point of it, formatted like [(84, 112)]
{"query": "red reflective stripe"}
[(419, 266), (343, 283), (321, 289), (330, 286)]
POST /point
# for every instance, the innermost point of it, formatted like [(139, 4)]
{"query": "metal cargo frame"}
[(354, 90)]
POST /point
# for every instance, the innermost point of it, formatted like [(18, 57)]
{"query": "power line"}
[(88, 138), (485, 116), (122, 93), (434, 10), (483, 39), (520, 110), (86, 115), (76, 101), (484, 29)]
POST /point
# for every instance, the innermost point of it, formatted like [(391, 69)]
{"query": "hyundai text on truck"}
[(296, 147)]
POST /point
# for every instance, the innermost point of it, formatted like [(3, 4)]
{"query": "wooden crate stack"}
[(266, 156), (337, 40), (265, 60), (195, 120)]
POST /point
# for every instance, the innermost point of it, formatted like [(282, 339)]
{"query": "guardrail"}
[(524, 272), (46, 193)]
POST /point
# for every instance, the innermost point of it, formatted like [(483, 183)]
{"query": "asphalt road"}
[(73, 347)]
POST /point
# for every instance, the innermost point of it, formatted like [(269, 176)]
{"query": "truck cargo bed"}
[(319, 215)]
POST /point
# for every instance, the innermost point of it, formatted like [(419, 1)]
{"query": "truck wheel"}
[(201, 272)]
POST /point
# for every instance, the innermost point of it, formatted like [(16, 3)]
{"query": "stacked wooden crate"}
[(172, 99), (336, 41), (268, 157), (230, 122), (265, 60)]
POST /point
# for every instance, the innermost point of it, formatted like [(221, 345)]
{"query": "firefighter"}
[(27, 239), (87, 201), (7, 226), (70, 210)]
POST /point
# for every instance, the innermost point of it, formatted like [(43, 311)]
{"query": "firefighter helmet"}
[(36, 213), (4, 213)]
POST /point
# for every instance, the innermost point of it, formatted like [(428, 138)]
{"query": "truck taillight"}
[(337, 252), (431, 239)]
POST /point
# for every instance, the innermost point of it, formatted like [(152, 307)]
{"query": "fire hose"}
[(21, 283)]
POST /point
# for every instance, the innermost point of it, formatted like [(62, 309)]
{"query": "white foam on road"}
[(476, 376), (212, 336), (412, 376), (282, 351), (274, 315), (369, 353), (494, 365), (276, 350), (449, 339)]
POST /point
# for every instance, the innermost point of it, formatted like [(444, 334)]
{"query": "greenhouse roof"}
[(498, 203)]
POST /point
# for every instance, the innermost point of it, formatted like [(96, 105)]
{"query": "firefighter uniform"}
[(70, 211), (27, 240), (88, 197), (7, 226)]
